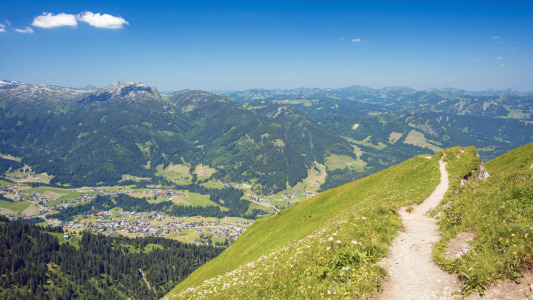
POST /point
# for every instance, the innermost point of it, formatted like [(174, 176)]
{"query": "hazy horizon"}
[(261, 88)]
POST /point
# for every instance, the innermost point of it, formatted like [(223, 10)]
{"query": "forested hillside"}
[(37, 263), (88, 138)]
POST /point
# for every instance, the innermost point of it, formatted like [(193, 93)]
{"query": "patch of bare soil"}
[(179, 200), (412, 273), (182, 169), (21, 188), (49, 194), (141, 195), (508, 290), (459, 245)]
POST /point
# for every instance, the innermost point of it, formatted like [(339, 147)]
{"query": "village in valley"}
[(26, 197), (115, 221), (189, 229)]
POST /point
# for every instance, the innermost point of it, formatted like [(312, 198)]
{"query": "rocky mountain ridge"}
[(94, 137)]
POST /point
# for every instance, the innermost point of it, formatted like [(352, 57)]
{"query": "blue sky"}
[(236, 45)]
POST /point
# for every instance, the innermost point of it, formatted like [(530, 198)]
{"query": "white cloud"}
[(2, 28), (495, 37), (501, 65), (8, 23), (499, 58), (102, 20), (49, 20), (25, 30), (474, 59), (356, 40), (513, 48)]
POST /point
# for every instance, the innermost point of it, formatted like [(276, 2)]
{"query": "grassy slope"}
[(287, 254), (499, 212), (518, 158)]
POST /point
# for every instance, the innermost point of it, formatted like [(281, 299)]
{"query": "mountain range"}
[(493, 121), (270, 139)]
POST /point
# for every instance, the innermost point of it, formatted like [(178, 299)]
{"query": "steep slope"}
[(327, 244), (380, 137), (519, 158), (496, 213), (345, 159)]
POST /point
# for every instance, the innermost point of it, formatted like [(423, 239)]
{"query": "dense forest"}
[(6, 164), (228, 197), (34, 264)]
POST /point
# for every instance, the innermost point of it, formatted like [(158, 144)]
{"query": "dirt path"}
[(412, 274), (146, 280)]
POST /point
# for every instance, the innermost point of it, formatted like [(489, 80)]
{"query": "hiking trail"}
[(412, 273)]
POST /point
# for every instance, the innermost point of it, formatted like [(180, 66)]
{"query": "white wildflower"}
[(330, 239), (338, 242)]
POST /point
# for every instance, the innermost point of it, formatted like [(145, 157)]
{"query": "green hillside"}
[(330, 243), (498, 213), (519, 158)]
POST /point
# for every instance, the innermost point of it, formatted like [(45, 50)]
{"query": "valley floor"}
[(412, 273)]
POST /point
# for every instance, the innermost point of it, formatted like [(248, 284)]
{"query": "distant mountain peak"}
[(90, 87), (7, 84), (128, 89)]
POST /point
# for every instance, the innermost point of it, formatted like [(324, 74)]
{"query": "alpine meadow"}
[(266, 150)]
